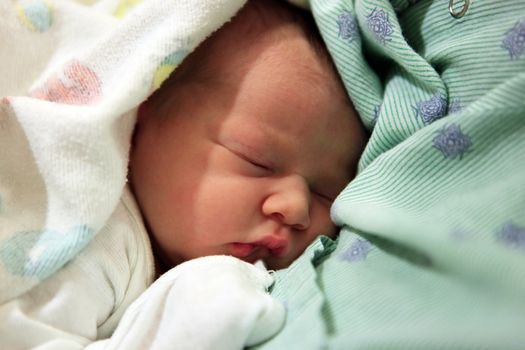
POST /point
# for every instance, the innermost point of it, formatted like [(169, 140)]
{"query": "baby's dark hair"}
[(253, 21), (269, 10)]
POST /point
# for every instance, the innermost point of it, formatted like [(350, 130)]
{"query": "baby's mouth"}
[(268, 246)]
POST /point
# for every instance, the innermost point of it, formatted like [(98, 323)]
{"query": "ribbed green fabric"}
[(432, 250)]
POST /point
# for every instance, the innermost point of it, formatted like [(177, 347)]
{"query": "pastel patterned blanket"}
[(72, 75)]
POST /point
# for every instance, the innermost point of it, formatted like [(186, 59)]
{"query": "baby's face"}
[(248, 166)]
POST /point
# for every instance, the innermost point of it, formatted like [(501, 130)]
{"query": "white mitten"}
[(215, 302)]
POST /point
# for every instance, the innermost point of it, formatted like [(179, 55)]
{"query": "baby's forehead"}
[(269, 36)]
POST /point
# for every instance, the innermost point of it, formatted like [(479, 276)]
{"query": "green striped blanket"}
[(432, 250)]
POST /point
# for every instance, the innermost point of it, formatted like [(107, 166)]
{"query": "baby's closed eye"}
[(323, 195), (248, 164), (255, 163)]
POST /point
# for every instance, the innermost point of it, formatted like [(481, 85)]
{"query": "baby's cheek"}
[(332, 230), (326, 226)]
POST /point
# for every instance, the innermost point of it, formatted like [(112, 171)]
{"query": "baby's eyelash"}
[(324, 196), (250, 154), (257, 164), (254, 162)]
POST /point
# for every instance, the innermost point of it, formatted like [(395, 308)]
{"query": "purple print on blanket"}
[(380, 25), (452, 142), (432, 109), (347, 23), (512, 235), (514, 40), (358, 251)]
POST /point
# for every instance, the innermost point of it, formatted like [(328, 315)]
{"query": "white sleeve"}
[(62, 312), (83, 301), (216, 302)]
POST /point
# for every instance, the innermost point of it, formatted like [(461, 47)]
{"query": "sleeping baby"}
[(242, 151), (239, 154)]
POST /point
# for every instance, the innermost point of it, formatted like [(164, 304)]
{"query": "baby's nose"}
[(289, 203)]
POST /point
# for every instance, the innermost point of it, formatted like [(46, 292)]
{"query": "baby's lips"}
[(276, 244)]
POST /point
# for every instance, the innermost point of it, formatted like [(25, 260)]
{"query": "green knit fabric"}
[(432, 250)]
